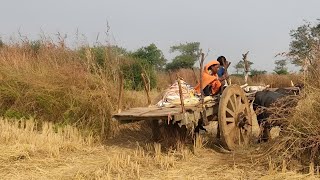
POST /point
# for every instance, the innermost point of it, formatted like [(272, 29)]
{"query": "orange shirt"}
[(208, 79)]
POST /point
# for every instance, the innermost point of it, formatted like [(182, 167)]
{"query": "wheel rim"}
[(235, 121)]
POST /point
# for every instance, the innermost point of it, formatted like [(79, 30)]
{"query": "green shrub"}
[(132, 74)]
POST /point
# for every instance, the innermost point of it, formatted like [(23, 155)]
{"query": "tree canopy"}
[(281, 67), (189, 54), (255, 72), (240, 66), (152, 55), (305, 40)]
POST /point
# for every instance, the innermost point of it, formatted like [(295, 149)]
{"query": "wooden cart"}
[(231, 109)]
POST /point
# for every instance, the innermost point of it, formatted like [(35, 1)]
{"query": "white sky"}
[(229, 27)]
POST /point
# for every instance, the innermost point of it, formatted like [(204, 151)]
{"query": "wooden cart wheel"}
[(234, 117)]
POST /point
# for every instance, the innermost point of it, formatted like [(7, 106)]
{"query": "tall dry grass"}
[(301, 138), (275, 80), (54, 83)]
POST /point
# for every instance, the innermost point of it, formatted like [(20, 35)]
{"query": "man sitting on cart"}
[(222, 72), (210, 79)]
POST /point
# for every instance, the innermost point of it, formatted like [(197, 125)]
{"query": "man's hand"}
[(226, 64)]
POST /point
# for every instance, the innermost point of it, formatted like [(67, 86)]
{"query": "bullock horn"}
[(292, 85)]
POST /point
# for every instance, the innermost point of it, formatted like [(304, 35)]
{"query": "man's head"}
[(214, 68), (222, 60)]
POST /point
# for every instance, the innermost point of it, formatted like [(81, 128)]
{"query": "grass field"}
[(46, 154), (56, 107)]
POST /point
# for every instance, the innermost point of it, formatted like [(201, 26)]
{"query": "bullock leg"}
[(183, 134), (156, 127), (199, 127), (265, 132)]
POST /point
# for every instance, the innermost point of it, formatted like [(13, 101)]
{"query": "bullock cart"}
[(231, 109)]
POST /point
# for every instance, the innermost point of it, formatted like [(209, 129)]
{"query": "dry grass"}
[(27, 154), (64, 154), (61, 86), (300, 140), (275, 80), (55, 84)]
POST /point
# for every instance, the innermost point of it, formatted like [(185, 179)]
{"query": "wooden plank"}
[(126, 119), (151, 113), (146, 112), (139, 110)]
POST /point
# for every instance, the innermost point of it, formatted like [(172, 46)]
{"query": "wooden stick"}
[(246, 66), (146, 87), (201, 69), (120, 92), (204, 113), (181, 95), (228, 80)]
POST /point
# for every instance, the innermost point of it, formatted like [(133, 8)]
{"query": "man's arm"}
[(225, 75)]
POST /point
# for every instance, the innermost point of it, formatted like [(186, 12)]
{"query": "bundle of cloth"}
[(253, 89), (171, 95)]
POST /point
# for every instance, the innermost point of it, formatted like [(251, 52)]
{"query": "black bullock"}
[(263, 100)]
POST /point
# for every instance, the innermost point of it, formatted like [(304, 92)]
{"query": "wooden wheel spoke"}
[(238, 102), (231, 112), (233, 102), (230, 120)]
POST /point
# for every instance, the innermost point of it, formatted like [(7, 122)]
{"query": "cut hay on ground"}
[(65, 154)]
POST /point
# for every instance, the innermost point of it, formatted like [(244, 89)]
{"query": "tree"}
[(305, 39), (255, 72), (152, 55), (132, 71), (240, 66), (189, 54), (281, 67), (145, 60)]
